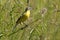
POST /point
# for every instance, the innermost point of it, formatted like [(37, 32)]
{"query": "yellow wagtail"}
[(23, 17)]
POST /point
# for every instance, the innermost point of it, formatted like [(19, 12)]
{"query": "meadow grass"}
[(43, 24)]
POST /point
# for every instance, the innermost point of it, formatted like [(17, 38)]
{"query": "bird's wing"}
[(21, 15), (18, 19)]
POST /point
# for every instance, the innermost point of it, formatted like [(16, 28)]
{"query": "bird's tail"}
[(14, 27)]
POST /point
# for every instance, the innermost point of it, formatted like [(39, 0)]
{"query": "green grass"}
[(46, 27)]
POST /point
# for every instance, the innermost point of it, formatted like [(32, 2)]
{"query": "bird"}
[(25, 16)]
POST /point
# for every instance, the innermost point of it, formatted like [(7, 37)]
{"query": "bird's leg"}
[(25, 25)]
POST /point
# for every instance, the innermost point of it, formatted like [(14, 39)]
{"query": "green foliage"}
[(43, 24)]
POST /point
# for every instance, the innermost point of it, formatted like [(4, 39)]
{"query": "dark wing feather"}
[(18, 19), (21, 15)]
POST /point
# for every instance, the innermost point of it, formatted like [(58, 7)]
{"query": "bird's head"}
[(28, 8)]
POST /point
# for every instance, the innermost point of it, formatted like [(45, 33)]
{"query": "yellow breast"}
[(27, 13)]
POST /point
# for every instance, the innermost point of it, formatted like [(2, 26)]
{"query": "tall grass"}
[(43, 24)]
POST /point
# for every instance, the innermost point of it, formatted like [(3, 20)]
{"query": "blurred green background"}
[(43, 24)]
